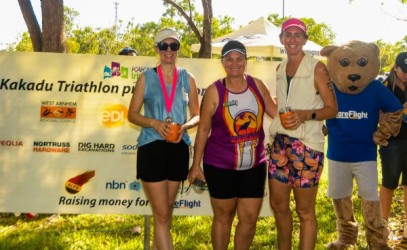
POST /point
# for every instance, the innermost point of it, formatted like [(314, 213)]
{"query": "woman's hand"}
[(195, 172), (296, 118)]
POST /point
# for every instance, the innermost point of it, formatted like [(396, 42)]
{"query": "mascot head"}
[(353, 65)]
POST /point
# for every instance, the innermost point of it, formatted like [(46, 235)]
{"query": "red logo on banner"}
[(74, 185), (58, 112)]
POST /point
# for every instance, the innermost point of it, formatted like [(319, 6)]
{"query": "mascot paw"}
[(324, 130), (389, 126), (337, 245), (380, 139)]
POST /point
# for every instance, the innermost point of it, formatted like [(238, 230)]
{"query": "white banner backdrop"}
[(65, 143)]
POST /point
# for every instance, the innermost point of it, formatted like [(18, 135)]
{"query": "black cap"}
[(401, 61), (126, 51), (233, 45)]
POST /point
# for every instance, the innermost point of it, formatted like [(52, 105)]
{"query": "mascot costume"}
[(353, 137)]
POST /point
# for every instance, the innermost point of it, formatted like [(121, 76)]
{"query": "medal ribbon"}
[(168, 101)]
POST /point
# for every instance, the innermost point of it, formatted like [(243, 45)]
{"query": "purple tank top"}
[(236, 141)]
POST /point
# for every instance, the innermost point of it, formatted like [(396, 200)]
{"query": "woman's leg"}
[(392, 168), (224, 211), (405, 210), (162, 196), (248, 210), (280, 204), (386, 197), (305, 207)]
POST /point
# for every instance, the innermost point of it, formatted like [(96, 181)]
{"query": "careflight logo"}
[(114, 115), (117, 70), (352, 114), (74, 184)]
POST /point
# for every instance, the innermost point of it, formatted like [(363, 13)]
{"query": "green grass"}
[(92, 231)]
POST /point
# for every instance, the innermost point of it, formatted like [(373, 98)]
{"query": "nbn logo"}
[(115, 185)]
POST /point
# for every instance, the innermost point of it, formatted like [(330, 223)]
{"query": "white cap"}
[(164, 34)]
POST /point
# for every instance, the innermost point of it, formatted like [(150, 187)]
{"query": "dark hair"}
[(233, 45), (126, 51)]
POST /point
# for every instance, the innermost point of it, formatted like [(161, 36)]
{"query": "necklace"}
[(168, 100)]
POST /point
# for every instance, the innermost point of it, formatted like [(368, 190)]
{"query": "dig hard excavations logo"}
[(74, 184)]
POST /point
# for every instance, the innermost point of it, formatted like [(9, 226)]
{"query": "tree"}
[(205, 37), (52, 36)]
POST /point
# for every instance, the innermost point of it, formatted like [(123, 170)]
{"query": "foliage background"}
[(88, 40)]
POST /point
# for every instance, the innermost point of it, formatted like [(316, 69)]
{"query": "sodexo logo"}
[(114, 115)]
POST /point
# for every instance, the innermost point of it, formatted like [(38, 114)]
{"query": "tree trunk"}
[(52, 37), (32, 24), (205, 51), (205, 39)]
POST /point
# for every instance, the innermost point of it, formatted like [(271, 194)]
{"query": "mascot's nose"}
[(353, 77)]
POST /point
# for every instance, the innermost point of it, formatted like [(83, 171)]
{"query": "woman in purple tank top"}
[(230, 141)]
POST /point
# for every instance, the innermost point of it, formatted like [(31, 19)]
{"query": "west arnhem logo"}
[(55, 111)]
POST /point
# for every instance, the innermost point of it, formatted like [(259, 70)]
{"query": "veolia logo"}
[(114, 115)]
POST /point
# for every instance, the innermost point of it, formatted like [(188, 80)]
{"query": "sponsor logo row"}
[(109, 115), (66, 146)]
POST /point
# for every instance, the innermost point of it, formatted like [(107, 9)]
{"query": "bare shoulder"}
[(141, 79), (211, 90), (321, 68), (260, 83), (190, 76)]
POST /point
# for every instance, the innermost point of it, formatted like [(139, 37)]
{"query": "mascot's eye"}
[(362, 62), (344, 62)]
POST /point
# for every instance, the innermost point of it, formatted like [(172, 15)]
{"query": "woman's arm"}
[(208, 107)]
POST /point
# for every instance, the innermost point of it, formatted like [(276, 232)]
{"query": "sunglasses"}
[(199, 186), (162, 46)]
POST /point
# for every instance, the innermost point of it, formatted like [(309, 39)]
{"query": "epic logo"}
[(114, 115)]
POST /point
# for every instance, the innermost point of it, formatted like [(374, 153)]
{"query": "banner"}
[(66, 145)]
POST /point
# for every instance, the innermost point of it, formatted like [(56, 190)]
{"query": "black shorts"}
[(161, 160), (394, 164), (227, 184)]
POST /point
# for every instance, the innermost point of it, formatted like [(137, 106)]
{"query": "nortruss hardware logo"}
[(51, 147)]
